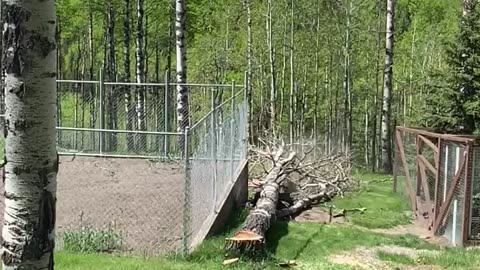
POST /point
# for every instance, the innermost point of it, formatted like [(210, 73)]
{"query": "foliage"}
[(454, 102)]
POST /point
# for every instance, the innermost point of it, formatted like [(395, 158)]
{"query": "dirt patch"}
[(367, 258), (138, 198), (319, 215), (418, 229)]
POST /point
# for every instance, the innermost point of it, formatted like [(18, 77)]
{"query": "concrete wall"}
[(232, 200), (235, 200)]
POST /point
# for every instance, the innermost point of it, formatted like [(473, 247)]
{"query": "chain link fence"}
[(130, 179)]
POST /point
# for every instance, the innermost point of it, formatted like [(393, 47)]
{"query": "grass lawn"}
[(308, 244)]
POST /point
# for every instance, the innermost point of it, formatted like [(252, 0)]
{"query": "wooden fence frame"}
[(435, 210)]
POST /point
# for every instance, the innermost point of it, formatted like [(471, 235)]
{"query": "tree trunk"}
[(249, 67), (111, 76), (292, 82), (348, 136), (93, 96), (141, 143), (182, 90), (259, 220), (271, 54), (374, 149), (31, 161), (129, 108), (387, 91)]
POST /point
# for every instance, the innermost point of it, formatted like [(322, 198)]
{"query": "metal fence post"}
[(186, 194), (101, 111), (232, 134), (166, 112), (213, 133)]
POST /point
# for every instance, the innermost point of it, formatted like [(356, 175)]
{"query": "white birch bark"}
[(271, 53), (182, 90), (31, 162), (141, 143), (387, 91)]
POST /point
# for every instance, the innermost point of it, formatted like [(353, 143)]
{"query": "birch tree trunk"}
[(31, 162), (374, 150), (129, 108), (348, 136), (141, 142), (250, 66), (387, 91), (182, 90), (271, 53), (292, 81), (111, 73), (93, 111)]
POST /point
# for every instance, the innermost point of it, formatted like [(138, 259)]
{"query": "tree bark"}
[(348, 136), (93, 96), (182, 90), (31, 162), (112, 122), (249, 66), (141, 143), (271, 54), (387, 91), (292, 80), (259, 220), (129, 108)]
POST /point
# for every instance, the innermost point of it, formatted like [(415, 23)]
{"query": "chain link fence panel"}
[(130, 179)]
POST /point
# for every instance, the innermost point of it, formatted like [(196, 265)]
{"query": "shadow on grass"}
[(277, 231)]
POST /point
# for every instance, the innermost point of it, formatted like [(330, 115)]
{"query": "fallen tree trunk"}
[(305, 203), (252, 236)]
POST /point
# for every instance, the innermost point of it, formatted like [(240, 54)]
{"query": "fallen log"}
[(252, 235), (305, 203)]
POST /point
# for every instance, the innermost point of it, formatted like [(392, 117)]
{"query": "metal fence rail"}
[(157, 184)]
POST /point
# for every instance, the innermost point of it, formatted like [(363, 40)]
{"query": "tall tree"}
[(140, 57), (182, 90), (387, 90), (111, 76), (271, 53), (129, 108), (31, 161)]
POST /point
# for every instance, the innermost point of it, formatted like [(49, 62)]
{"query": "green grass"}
[(453, 258), (396, 258), (385, 209)]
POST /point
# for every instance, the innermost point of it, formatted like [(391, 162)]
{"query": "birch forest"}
[(340, 74)]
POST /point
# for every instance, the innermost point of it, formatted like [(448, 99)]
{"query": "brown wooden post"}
[(436, 203), (407, 172), (467, 194)]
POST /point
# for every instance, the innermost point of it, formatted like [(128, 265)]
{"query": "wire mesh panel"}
[(474, 226), (218, 145), (451, 156)]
